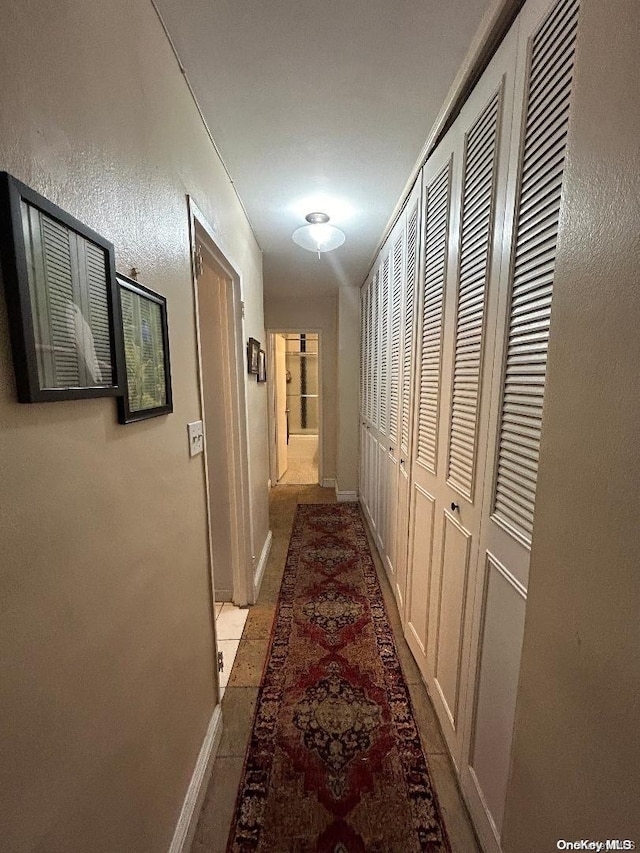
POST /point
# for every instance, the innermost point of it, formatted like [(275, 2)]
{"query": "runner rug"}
[(334, 763)]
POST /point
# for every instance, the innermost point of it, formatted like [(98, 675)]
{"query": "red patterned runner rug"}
[(334, 763)]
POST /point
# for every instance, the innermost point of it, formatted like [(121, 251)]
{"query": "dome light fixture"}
[(318, 236)]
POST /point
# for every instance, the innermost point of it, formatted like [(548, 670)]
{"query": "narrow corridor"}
[(239, 701)]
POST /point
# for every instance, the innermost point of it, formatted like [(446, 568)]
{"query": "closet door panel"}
[(449, 617), (464, 188), (502, 626), (409, 305), (393, 268), (389, 555), (441, 178), (383, 496), (547, 35), (421, 545)]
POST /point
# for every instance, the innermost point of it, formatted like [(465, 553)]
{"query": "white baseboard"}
[(262, 564), (188, 820), (329, 483), (346, 497)]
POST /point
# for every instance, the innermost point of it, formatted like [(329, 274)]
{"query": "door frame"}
[(237, 424), (271, 390)]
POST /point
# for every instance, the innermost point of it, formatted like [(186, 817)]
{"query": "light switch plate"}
[(196, 438)]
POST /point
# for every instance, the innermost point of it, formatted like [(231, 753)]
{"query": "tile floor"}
[(241, 690), (302, 461), (230, 622)]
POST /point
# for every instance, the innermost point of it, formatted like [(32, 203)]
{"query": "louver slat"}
[(436, 230), (369, 351), (535, 236), (362, 351), (475, 244), (375, 338), (395, 343), (384, 345), (407, 361)]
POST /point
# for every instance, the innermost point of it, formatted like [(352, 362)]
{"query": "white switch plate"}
[(196, 438)]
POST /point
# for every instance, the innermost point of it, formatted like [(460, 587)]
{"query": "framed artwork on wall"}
[(262, 366), (253, 350), (62, 302), (145, 334)]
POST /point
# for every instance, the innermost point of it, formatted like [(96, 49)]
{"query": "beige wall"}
[(318, 314), (105, 625), (576, 753)]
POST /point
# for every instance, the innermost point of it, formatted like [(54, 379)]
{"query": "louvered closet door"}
[(388, 427), (366, 400), (374, 414), (386, 472), (405, 427), (545, 66), (464, 186)]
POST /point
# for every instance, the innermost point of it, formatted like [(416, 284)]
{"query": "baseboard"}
[(346, 497), (262, 564), (188, 820), (328, 483), (224, 593)]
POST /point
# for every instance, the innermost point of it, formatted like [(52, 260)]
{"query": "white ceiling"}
[(313, 99)]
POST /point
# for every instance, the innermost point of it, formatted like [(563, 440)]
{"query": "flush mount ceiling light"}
[(318, 236)]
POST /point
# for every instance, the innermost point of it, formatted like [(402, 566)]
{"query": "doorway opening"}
[(223, 406), (296, 382)]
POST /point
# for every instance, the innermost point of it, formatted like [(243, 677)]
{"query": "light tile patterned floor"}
[(230, 622), (302, 461)]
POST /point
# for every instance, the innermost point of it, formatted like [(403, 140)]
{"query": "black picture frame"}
[(62, 306), (145, 336), (253, 349), (262, 366)]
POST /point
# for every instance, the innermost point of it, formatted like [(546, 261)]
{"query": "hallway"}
[(302, 461), (476, 394), (239, 702)]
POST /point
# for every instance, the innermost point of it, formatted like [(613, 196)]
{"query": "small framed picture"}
[(262, 366), (62, 301), (146, 349), (253, 350)]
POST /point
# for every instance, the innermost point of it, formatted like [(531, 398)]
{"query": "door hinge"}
[(198, 263), (220, 662), (242, 309)]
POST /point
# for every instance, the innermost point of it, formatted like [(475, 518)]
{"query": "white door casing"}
[(280, 384)]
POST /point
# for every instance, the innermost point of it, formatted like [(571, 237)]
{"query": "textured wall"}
[(576, 751), (106, 640)]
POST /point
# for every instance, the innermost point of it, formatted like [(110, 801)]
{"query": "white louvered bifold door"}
[(402, 494), (375, 347), (536, 229), (478, 193), (435, 245), (464, 192), (383, 358), (545, 69), (395, 340)]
